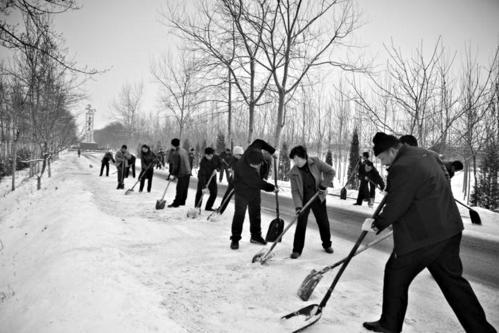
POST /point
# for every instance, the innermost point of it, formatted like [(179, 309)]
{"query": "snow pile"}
[(80, 256)]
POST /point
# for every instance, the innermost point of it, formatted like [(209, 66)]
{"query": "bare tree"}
[(181, 88), (127, 105), (300, 36)]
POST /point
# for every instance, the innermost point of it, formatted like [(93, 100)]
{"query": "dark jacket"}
[(108, 157), (147, 159), (206, 168), (374, 177), (260, 144), (248, 181), (323, 175), (419, 203), (180, 163)]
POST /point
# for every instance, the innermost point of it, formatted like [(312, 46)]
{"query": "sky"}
[(123, 36)]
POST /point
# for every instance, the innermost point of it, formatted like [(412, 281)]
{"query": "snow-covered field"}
[(80, 256)]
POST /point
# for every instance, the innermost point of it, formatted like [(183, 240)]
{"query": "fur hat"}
[(209, 151), (383, 141), (175, 142), (238, 150), (254, 156)]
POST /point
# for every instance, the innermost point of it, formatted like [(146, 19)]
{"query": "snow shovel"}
[(160, 204), (143, 172), (475, 218), (310, 314), (227, 198), (196, 211), (310, 282), (263, 255), (276, 225)]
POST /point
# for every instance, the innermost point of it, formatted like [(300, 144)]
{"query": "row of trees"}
[(38, 84), (279, 71)]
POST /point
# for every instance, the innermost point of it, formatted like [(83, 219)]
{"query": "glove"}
[(276, 189), (276, 154), (368, 225), (298, 210), (205, 190), (322, 189)]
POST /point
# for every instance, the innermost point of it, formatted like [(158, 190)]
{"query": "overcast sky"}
[(125, 35)]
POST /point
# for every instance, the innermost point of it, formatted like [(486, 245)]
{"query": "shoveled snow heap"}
[(80, 256)]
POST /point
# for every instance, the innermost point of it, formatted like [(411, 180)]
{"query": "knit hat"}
[(365, 154), (383, 141), (175, 142), (409, 139), (254, 156), (238, 150), (209, 151)]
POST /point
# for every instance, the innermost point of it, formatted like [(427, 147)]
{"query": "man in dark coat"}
[(308, 176), (427, 231), (209, 164), (147, 161), (248, 182), (130, 165), (366, 188), (226, 160), (180, 169), (108, 156)]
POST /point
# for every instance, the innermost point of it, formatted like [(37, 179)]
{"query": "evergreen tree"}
[(329, 157), (486, 192), (220, 142), (284, 162), (354, 160)]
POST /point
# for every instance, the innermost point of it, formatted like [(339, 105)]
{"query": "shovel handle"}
[(275, 183), (349, 257), (264, 257)]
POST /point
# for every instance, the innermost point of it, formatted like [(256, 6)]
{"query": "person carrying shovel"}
[(427, 232), (207, 166), (309, 175), (147, 161)]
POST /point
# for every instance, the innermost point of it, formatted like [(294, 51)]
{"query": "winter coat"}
[(206, 168), (122, 159), (180, 163), (323, 175), (147, 159), (374, 176), (248, 181), (260, 144), (419, 202), (108, 157), (226, 160)]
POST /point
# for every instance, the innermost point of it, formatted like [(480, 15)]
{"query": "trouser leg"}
[(213, 194), (237, 220), (255, 217), (320, 213), (447, 270), (300, 231)]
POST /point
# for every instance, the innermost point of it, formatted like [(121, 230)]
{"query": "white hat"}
[(238, 150)]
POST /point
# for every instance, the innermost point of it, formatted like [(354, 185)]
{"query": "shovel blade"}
[(276, 227), (299, 320), (308, 285), (160, 204), (258, 257), (128, 191)]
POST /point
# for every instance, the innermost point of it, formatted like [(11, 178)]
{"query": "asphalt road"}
[(480, 257)]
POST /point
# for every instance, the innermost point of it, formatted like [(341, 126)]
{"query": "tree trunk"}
[(280, 119), (14, 159), (229, 116)]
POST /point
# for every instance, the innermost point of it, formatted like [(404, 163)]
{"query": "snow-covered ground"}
[(80, 256)]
